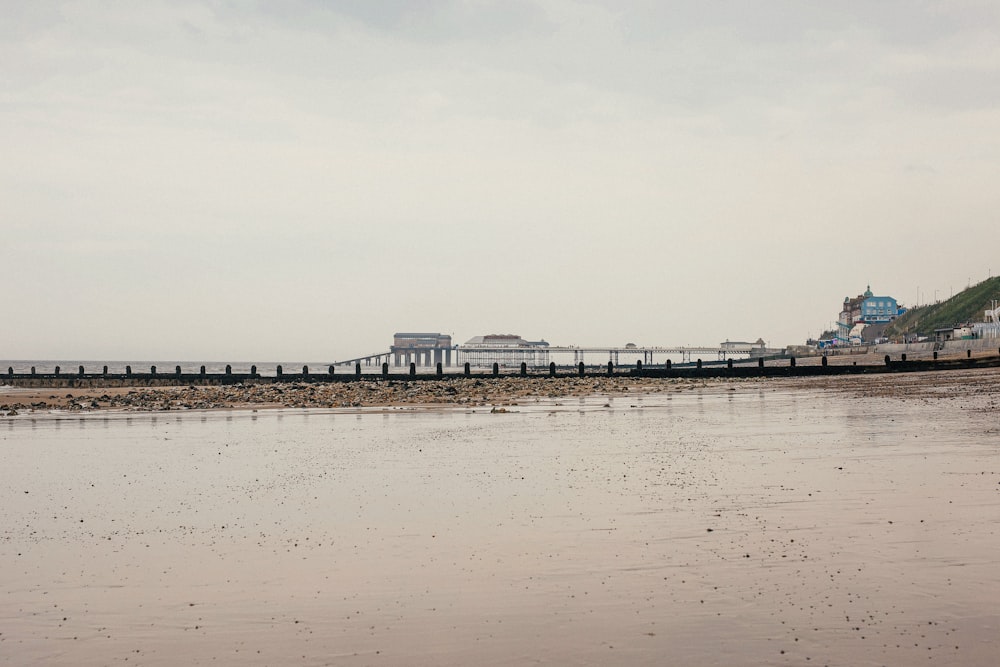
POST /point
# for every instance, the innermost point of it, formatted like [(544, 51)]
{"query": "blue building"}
[(878, 309)]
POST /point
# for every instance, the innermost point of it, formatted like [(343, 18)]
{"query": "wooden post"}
[(413, 369), (177, 371), (824, 361), (496, 369), (581, 369), (611, 368), (440, 369), (467, 369), (524, 369), (357, 369), (385, 369), (81, 371), (229, 369), (552, 369)]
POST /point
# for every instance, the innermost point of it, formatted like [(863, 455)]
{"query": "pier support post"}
[(552, 369), (467, 369)]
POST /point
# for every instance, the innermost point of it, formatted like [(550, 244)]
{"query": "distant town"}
[(871, 319), (868, 319)]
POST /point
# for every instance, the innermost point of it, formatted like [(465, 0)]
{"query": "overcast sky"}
[(300, 179)]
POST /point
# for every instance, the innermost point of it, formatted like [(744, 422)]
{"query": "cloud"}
[(704, 173)]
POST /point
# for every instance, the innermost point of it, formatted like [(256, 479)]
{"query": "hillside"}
[(966, 306)]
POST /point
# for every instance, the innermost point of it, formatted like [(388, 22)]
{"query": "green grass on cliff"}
[(966, 306)]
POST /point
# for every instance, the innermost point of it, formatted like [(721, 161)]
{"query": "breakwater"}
[(154, 377)]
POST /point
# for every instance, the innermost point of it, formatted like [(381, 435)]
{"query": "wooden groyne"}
[(784, 368)]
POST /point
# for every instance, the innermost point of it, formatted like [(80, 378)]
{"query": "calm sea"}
[(168, 366)]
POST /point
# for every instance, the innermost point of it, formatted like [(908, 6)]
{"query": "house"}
[(865, 309)]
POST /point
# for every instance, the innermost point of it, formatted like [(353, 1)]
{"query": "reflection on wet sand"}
[(761, 525)]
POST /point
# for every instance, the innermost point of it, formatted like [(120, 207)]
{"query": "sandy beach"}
[(836, 521)]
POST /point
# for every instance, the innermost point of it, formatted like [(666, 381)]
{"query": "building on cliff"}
[(865, 309)]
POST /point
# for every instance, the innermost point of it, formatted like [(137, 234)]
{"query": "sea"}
[(266, 368), (744, 524)]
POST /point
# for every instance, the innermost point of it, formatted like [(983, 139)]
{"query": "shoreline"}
[(483, 392)]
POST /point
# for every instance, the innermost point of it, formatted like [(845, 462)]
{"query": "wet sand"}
[(827, 521)]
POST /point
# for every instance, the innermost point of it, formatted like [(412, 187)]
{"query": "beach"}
[(461, 392), (828, 521)]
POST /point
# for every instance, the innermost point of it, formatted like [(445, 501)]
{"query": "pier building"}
[(422, 349)]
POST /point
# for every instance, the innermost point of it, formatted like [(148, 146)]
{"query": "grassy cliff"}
[(966, 306)]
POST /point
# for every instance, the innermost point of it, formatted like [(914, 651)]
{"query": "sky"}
[(301, 179)]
